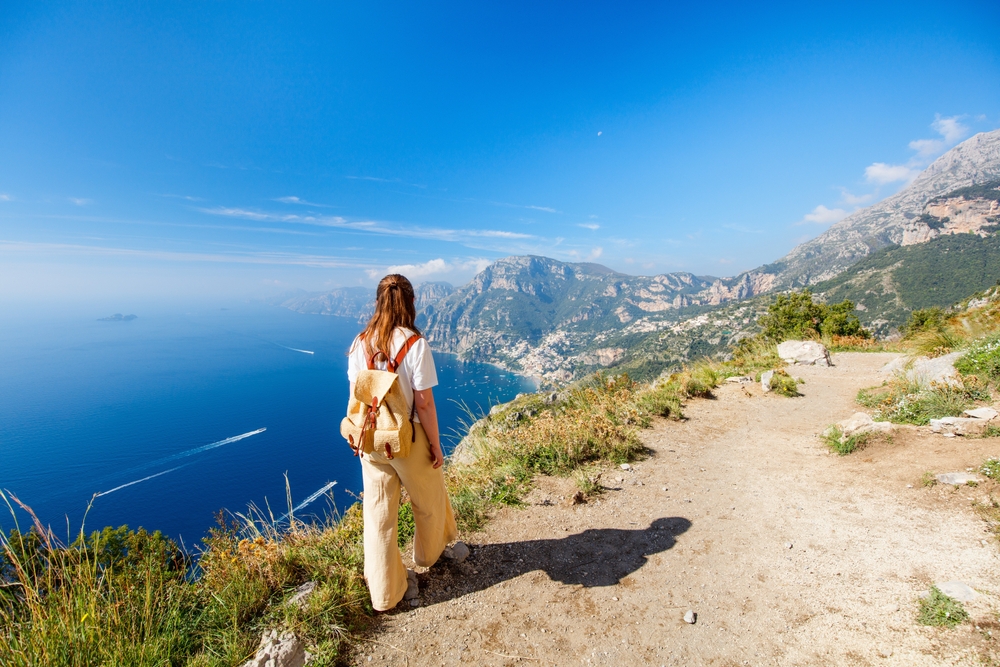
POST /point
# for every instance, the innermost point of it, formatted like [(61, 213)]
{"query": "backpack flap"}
[(378, 417)]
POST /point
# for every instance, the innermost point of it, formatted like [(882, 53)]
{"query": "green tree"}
[(797, 316)]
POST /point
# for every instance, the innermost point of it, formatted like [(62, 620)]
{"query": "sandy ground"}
[(788, 554)]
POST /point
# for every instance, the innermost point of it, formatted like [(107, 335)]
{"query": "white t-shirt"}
[(417, 372)]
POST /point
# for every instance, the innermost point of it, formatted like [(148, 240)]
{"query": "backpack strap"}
[(410, 342)]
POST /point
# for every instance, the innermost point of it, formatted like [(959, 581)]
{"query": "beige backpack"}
[(377, 412)]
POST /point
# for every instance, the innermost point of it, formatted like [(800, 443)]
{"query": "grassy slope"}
[(893, 282)]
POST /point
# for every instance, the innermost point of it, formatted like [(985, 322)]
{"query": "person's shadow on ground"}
[(595, 557)]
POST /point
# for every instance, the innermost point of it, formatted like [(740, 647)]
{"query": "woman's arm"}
[(423, 400)]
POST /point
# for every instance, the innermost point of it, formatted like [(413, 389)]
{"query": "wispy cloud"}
[(951, 130), (276, 258), (589, 225), (368, 226), (532, 207), (80, 202), (300, 202), (846, 197), (821, 215), (392, 181), (4, 197), (184, 197)]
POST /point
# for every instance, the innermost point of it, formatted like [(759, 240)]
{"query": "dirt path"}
[(788, 555)]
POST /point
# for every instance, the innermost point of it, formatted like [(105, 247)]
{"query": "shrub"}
[(940, 610), (784, 384), (991, 468), (982, 360), (797, 316), (836, 441), (924, 319), (902, 402)]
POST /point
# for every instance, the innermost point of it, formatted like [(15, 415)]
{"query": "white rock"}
[(302, 593), (765, 380), (958, 590), (956, 478), (924, 371), (740, 379), (285, 650), (982, 413), (690, 617), (804, 353), (625, 466), (861, 422), (958, 425)]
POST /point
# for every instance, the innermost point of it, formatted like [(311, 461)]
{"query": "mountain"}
[(889, 222), (549, 318), (890, 284), (356, 302)]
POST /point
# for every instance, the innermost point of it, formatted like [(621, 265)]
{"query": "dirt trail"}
[(789, 555)]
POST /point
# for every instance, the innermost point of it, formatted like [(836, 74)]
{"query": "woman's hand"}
[(437, 456)]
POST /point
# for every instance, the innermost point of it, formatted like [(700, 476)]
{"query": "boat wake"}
[(312, 498), (295, 349), (118, 488)]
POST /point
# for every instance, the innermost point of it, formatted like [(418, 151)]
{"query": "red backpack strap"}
[(410, 342)]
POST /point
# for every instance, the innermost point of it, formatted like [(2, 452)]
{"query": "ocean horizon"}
[(164, 420)]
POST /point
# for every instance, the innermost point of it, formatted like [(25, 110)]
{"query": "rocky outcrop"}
[(976, 160), (925, 371), (284, 650), (804, 353), (861, 422)]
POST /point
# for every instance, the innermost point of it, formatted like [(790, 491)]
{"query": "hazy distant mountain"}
[(357, 302)]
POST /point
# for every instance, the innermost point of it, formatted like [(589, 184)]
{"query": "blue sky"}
[(239, 148)]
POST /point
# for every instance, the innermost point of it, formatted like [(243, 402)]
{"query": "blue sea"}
[(181, 413)]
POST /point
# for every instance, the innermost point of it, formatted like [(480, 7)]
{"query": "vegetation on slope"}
[(891, 284)]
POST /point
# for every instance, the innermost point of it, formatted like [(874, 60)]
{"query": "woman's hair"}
[(393, 308)]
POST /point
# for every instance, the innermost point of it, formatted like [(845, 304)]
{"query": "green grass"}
[(991, 469), (835, 440), (124, 597), (903, 402), (982, 360), (937, 609), (928, 479), (784, 384)]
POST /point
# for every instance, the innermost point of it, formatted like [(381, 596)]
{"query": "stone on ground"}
[(956, 478), (958, 590), (804, 353), (302, 593), (958, 425), (861, 422), (458, 552), (982, 413), (924, 371), (739, 379), (765, 380), (284, 650), (690, 617)]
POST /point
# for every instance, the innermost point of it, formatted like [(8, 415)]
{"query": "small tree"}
[(797, 316)]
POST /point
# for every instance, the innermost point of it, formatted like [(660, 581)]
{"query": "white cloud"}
[(369, 226), (881, 173), (589, 225), (951, 129), (81, 202), (850, 199), (821, 215), (184, 197), (431, 268), (4, 197), (596, 252), (300, 202), (545, 209), (421, 270)]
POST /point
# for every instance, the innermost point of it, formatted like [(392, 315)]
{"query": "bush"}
[(797, 316), (903, 402), (784, 384), (836, 441), (991, 469), (924, 319), (982, 360), (940, 610)]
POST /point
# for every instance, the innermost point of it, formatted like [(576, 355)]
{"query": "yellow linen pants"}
[(435, 521)]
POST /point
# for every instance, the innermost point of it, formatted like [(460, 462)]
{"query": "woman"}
[(420, 472)]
